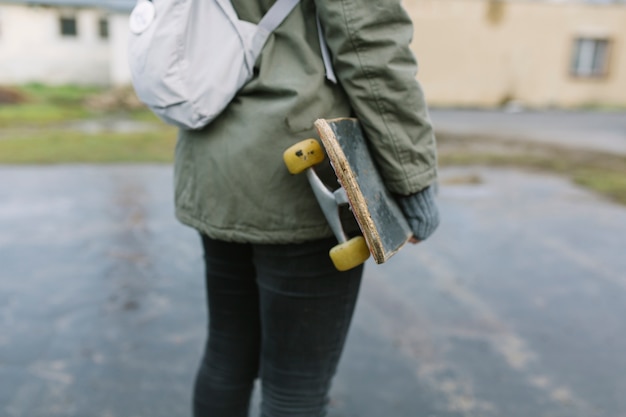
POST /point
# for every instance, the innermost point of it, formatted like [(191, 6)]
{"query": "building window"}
[(591, 57), (68, 26), (103, 28)]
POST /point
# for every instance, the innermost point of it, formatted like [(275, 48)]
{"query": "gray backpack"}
[(188, 58)]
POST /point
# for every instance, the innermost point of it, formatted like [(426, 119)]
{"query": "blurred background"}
[(514, 308)]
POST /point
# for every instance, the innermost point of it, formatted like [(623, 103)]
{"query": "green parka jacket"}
[(230, 180)]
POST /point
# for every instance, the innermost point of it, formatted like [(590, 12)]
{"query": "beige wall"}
[(484, 53)]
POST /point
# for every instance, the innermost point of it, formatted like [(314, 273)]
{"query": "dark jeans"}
[(277, 312)]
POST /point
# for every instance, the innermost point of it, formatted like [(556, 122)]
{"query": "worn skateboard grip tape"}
[(381, 220)]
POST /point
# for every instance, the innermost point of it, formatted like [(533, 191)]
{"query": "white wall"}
[(32, 48), (119, 32)]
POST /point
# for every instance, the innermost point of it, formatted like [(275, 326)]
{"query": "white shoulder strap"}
[(279, 11)]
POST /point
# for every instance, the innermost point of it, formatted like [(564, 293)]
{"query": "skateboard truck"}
[(303, 156), (329, 203)]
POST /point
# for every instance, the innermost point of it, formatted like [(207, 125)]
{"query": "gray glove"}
[(421, 212)]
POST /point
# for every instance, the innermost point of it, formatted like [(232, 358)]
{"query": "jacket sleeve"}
[(369, 43)]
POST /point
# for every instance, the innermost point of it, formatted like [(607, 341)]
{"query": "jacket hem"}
[(253, 235)]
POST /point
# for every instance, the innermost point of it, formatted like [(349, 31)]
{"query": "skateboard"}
[(381, 221)]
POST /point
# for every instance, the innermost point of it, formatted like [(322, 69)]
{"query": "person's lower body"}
[(277, 312)]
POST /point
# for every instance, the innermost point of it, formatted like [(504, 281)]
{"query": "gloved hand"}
[(421, 212)]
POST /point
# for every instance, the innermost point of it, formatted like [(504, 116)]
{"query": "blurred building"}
[(64, 41), (533, 52), (472, 53)]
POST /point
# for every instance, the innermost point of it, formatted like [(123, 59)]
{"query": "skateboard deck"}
[(379, 217)]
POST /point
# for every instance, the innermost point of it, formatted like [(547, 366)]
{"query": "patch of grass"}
[(53, 105), (611, 184), (37, 131), (39, 114), (47, 105), (59, 146), (64, 95), (601, 172), (142, 115)]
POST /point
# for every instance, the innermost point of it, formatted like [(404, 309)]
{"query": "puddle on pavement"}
[(109, 125)]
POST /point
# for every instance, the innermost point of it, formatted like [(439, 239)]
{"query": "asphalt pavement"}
[(599, 131), (514, 308)]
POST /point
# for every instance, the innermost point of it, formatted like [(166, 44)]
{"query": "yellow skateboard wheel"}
[(303, 155), (350, 254)]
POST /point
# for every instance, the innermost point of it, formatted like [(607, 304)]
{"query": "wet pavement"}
[(599, 131), (515, 308)]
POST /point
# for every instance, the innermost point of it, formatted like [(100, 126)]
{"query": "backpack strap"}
[(277, 13), (275, 16)]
